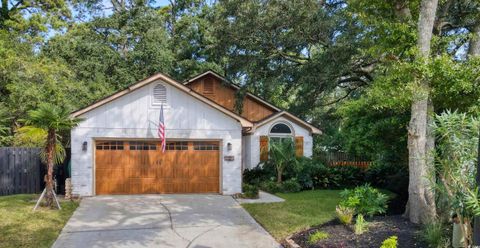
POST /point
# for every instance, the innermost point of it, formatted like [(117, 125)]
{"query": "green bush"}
[(258, 174), (338, 177), (365, 200), (250, 191), (391, 242), (271, 187), (361, 225), (345, 214), (435, 234), (309, 173), (317, 236), (393, 177), (305, 171), (290, 186)]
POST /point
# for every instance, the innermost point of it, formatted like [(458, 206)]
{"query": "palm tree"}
[(46, 122), (282, 154)]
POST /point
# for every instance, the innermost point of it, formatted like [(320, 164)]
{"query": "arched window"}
[(280, 131), (280, 128), (159, 94)]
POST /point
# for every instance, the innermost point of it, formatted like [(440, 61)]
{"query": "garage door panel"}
[(139, 167)]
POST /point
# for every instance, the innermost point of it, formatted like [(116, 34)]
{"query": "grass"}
[(299, 211), (21, 227)]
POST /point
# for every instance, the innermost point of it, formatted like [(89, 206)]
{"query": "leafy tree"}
[(297, 53), (5, 128), (115, 51), (34, 18), (47, 121), (28, 79), (282, 155), (456, 155)]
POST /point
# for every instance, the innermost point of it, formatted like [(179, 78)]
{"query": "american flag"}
[(161, 129)]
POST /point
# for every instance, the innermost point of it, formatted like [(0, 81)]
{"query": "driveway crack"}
[(171, 223), (201, 234)]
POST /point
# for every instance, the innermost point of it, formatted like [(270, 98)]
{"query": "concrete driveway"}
[(162, 221)]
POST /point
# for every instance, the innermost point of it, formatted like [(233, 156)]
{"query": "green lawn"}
[(299, 211), (21, 227)]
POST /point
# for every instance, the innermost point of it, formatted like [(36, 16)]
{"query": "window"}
[(205, 146), (281, 128), (110, 145), (142, 145), (280, 132), (159, 94), (177, 145)]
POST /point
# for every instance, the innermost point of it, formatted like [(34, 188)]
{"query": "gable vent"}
[(159, 94), (208, 87)]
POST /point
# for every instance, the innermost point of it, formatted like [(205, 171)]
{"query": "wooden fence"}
[(21, 171), (343, 159)]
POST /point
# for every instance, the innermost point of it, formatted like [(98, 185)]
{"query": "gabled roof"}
[(280, 112), (164, 78), (290, 116), (233, 85)]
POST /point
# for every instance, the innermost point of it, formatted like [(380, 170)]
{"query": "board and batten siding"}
[(133, 116), (252, 158), (226, 96)]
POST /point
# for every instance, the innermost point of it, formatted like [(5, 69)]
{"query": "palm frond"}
[(58, 155), (30, 136), (49, 116)]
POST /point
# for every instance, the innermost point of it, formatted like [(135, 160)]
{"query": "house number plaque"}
[(228, 158)]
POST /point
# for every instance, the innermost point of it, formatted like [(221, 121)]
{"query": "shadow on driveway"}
[(162, 221)]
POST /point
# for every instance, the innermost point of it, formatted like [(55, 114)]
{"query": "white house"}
[(116, 148)]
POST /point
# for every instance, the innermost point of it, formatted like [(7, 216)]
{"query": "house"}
[(116, 149)]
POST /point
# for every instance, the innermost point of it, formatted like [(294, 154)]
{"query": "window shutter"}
[(299, 146), (263, 148)]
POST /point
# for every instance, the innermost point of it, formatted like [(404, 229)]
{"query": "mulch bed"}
[(380, 228)]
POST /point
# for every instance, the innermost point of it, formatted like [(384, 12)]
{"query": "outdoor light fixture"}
[(84, 146), (229, 146)]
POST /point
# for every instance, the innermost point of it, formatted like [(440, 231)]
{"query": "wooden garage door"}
[(140, 167)]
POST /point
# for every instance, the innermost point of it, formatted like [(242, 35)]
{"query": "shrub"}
[(305, 171), (365, 200), (271, 187), (393, 177), (291, 186), (250, 191), (391, 242), (435, 234), (345, 214), (337, 177), (361, 225), (317, 236), (258, 174), (348, 176)]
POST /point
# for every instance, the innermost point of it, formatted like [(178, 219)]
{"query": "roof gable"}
[(278, 112), (233, 85), (291, 117), (164, 78)]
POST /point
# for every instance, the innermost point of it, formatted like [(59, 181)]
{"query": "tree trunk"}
[(50, 162), (474, 46), (279, 175), (421, 208)]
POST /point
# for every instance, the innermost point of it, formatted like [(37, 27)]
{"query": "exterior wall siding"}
[(225, 96), (133, 116), (253, 159)]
